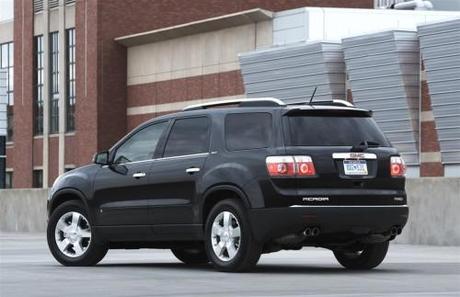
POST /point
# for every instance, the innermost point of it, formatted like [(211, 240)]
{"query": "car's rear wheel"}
[(366, 258), (229, 242), (71, 239), (191, 256)]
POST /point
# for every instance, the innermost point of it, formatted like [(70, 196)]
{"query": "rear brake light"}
[(280, 165), (290, 166), (304, 166), (397, 166)]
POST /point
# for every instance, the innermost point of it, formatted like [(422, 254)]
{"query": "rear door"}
[(175, 174), (351, 157)]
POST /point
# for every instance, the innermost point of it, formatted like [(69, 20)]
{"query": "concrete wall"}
[(434, 206), (198, 54), (434, 211), (23, 210), (6, 31)]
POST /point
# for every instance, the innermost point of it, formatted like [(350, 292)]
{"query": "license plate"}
[(355, 167)]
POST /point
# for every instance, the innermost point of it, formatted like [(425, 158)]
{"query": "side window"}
[(244, 131), (188, 136), (141, 145)]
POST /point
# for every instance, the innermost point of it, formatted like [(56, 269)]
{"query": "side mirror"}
[(101, 158)]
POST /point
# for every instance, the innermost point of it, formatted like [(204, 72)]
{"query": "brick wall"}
[(20, 154), (120, 18), (430, 156)]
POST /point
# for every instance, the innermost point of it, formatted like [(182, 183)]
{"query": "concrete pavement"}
[(28, 269)]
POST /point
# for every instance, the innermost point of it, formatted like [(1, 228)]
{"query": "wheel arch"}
[(218, 193), (63, 196)]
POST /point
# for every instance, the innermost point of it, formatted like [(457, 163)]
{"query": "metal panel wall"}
[(383, 72), (291, 73), (440, 48)]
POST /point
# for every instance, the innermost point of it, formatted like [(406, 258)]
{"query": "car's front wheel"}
[(370, 256), (229, 242), (70, 237)]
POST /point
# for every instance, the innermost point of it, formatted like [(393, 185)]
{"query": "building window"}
[(54, 83), (53, 3), (8, 180), (37, 177), (6, 63), (70, 102), (38, 5), (39, 76)]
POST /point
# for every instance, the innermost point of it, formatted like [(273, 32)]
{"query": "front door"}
[(122, 190)]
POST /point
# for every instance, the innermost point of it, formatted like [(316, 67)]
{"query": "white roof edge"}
[(199, 26)]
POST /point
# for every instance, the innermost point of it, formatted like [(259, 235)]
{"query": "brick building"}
[(87, 71), (71, 92)]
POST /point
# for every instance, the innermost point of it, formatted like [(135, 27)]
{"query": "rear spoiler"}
[(327, 111)]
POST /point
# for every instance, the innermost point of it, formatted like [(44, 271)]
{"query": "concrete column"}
[(62, 86), (46, 93)]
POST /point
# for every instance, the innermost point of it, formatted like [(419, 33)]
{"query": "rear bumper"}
[(271, 223)]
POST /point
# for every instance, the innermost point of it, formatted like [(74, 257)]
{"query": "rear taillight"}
[(397, 166), (290, 166), (280, 165), (304, 166)]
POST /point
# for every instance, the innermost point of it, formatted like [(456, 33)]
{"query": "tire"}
[(191, 256), (237, 253), (79, 245), (370, 257)]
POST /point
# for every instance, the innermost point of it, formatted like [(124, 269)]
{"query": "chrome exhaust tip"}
[(307, 232), (315, 231)]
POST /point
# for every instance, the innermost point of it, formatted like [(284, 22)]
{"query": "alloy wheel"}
[(73, 234), (225, 236)]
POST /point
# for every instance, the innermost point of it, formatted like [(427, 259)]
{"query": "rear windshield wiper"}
[(364, 145)]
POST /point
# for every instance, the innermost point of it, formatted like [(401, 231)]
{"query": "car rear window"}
[(334, 131), (245, 131)]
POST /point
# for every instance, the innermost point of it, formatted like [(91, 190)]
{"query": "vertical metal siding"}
[(292, 73), (383, 72), (440, 48)]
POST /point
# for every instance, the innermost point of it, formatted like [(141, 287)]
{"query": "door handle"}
[(139, 175), (192, 170)]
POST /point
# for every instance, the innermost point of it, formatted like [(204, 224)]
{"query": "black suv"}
[(225, 182)]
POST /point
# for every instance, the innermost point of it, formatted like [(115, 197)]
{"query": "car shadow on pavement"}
[(178, 265), (308, 269), (260, 269)]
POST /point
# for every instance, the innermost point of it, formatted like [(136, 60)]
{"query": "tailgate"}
[(351, 157), (334, 186)]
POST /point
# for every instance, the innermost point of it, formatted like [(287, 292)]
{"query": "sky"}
[(6, 10)]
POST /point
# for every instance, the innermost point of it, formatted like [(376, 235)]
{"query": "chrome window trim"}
[(183, 156), (365, 156), (133, 162), (165, 158)]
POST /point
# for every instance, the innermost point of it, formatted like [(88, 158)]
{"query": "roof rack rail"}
[(255, 102), (334, 102)]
